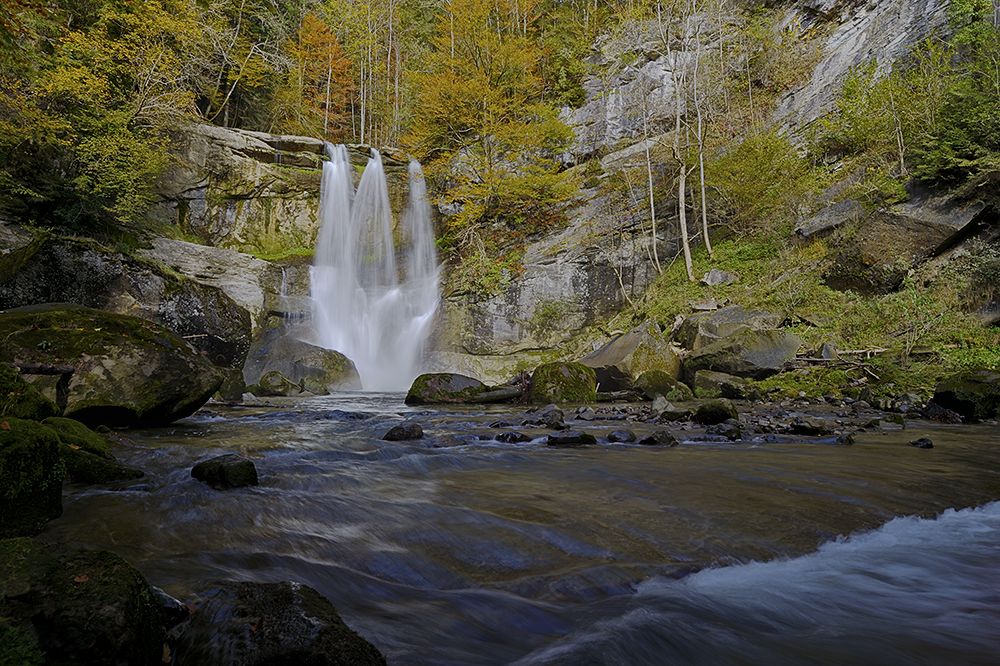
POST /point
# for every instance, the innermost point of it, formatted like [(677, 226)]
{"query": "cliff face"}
[(885, 31)]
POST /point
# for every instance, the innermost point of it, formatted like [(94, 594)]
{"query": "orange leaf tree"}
[(480, 123)]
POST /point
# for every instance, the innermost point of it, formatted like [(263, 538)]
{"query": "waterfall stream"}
[(368, 304)]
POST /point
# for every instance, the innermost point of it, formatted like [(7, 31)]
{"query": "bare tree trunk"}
[(652, 204), (681, 163), (701, 144)]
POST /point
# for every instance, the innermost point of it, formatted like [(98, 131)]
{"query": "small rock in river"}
[(512, 437), (659, 438), (586, 414), (228, 471), (571, 438), (922, 443), (404, 432), (623, 435)]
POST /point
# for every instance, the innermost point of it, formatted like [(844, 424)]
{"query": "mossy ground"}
[(910, 338)]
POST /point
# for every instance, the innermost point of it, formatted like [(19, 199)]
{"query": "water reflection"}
[(460, 550)]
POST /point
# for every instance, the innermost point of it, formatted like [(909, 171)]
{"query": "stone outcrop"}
[(704, 328), (241, 190), (831, 218), (271, 623), (312, 368), (253, 284), (68, 605), (657, 382), (618, 364), (754, 354), (885, 30), (890, 242), (54, 269), (254, 192), (126, 372), (570, 281)]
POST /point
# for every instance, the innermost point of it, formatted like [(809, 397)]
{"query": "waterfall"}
[(364, 306)]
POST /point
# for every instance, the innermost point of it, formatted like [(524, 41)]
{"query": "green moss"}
[(563, 383), (85, 467), (31, 476), (20, 399), (73, 433), (18, 647), (443, 387)]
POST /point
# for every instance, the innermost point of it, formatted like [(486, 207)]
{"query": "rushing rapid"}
[(459, 549)]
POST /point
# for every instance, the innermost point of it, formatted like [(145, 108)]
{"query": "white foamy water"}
[(915, 591), (365, 305)]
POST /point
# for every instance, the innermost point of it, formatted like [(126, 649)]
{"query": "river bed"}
[(457, 549)]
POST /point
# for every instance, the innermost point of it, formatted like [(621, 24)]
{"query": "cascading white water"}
[(361, 308)]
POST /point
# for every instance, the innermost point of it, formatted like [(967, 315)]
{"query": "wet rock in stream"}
[(228, 471), (270, 624), (571, 438), (404, 432)]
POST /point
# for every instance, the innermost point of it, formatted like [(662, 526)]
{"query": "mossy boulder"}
[(618, 364), (443, 387), (82, 606), (31, 476), (271, 623), (563, 382), (280, 350), (128, 372), (77, 435), (54, 269), (708, 383), (657, 382), (273, 383), (716, 411), (753, 354), (20, 400), (974, 394)]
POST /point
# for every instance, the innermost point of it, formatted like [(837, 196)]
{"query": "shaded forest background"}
[(473, 89)]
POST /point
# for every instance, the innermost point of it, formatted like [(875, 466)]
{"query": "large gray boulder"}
[(126, 371), (618, 364), (317, 369), (754, 354), (704, 328), (890, 242), (253, 284), (53, 269), (831, 218), (262, 624)]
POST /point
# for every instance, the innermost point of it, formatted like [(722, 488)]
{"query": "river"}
[(457, 549)]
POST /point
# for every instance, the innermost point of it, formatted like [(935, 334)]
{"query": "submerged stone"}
[(226, 471), (571, 438), (266, 624), (922, 443), (624, 435), (404, 432), (659, 438)]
